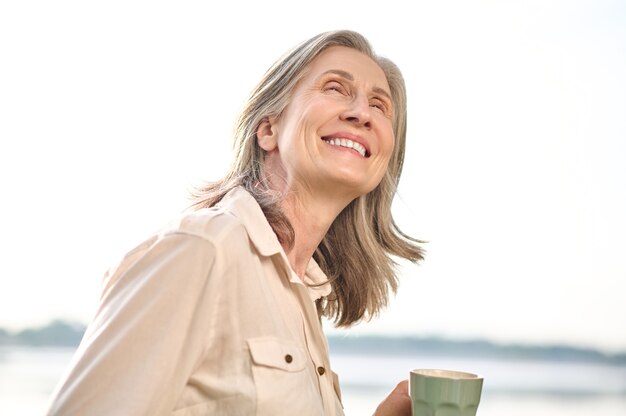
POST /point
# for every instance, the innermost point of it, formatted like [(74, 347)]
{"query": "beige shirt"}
[(206, 318)]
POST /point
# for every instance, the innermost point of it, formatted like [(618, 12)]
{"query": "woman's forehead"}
[(349, 63)]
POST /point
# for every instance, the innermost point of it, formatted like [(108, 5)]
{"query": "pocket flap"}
[(277, 353)]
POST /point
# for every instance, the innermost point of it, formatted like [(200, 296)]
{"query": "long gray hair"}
[(357, 251)]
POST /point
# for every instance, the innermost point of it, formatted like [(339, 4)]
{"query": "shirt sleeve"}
[(147, 335)]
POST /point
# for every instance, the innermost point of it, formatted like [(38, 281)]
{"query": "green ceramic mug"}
[(444, 392)]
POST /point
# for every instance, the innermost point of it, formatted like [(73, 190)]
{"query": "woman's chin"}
[(354, 185)]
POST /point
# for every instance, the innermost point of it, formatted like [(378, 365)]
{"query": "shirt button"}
[(288, 358), (321, 371)]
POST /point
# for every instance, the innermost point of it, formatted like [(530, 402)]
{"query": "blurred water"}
[(360, 402), (28, 376), (511, 388)]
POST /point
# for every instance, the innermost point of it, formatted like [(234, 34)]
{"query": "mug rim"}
[(446, 374)]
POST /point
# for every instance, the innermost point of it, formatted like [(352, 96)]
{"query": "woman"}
[(220, 313)]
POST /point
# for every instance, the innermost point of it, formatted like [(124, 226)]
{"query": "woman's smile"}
[(348, 141)]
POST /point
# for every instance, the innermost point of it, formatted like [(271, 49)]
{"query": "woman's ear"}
[(266, 134)]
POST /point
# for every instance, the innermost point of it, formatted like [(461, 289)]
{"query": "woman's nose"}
[(358, 112)]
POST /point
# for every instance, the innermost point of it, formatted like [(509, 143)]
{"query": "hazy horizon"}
[(346, 335)]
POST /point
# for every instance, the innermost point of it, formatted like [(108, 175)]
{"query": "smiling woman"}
[(220, 313)]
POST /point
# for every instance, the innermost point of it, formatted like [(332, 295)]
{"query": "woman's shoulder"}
[(204, 234), (214, 224)]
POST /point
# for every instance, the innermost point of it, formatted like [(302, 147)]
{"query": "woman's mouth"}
[(347, 143)]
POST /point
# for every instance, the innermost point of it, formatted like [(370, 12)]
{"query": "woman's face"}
[(336, 134)]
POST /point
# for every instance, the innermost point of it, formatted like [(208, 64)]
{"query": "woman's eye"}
[(378, 105), (334, 86)]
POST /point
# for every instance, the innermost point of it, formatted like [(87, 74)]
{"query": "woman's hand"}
[(398, 403)]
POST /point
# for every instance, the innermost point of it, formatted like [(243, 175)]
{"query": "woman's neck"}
[(310, 217), (310, 207)]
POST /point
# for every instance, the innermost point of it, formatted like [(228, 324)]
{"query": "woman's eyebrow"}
[(341, 73), (349, 77), (383, 92)]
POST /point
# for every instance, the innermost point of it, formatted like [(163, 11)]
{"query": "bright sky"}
[(515, 167)]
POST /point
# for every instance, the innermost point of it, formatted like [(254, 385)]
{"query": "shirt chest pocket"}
[(278, 354), (283, 383)]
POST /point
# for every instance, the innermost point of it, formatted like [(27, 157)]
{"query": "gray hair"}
[(357, 251)]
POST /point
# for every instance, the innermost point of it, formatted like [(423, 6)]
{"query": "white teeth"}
[(347, 143)]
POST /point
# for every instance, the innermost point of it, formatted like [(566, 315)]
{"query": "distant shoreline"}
[(61, 333), (57, 333), (436, 346)]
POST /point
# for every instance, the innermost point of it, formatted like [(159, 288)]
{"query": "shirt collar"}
[(247, 210), (316, 281)]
